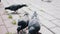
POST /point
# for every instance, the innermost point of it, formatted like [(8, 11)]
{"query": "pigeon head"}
[(34, 15), (18, 29)]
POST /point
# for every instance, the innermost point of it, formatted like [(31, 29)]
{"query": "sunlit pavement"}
[(48, 13)]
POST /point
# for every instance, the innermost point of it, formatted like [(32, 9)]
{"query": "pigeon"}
[(15, 7), (34, 25), (22, 24)]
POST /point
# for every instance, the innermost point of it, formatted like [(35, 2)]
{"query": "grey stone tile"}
[(5, 3), (13, 29), (8, 23), (47, 23), (45, 15), (5, 17), (43, 30), (52, 8), (2, 10), (57, 22), (3, 30), (56, 30), (1, 22)]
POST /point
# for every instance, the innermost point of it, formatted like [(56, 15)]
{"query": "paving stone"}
[(11, 2), (15, 17), (29, 11), (5, 3), (52, 8), (5, 17), (43, 30), (1, 6), (2, 10), (3, 30), (12, 29), (56, 30), (57, 22), (42, 13), (1, 23), (46, 15), (8, 23), (46, 22)]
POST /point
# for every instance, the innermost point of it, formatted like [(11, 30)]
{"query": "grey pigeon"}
[(34, 25)]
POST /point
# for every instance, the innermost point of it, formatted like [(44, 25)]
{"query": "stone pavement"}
[(48, 13)]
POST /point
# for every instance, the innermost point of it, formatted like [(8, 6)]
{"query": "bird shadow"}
[(48, 1), (23, 32), (13, 13)]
